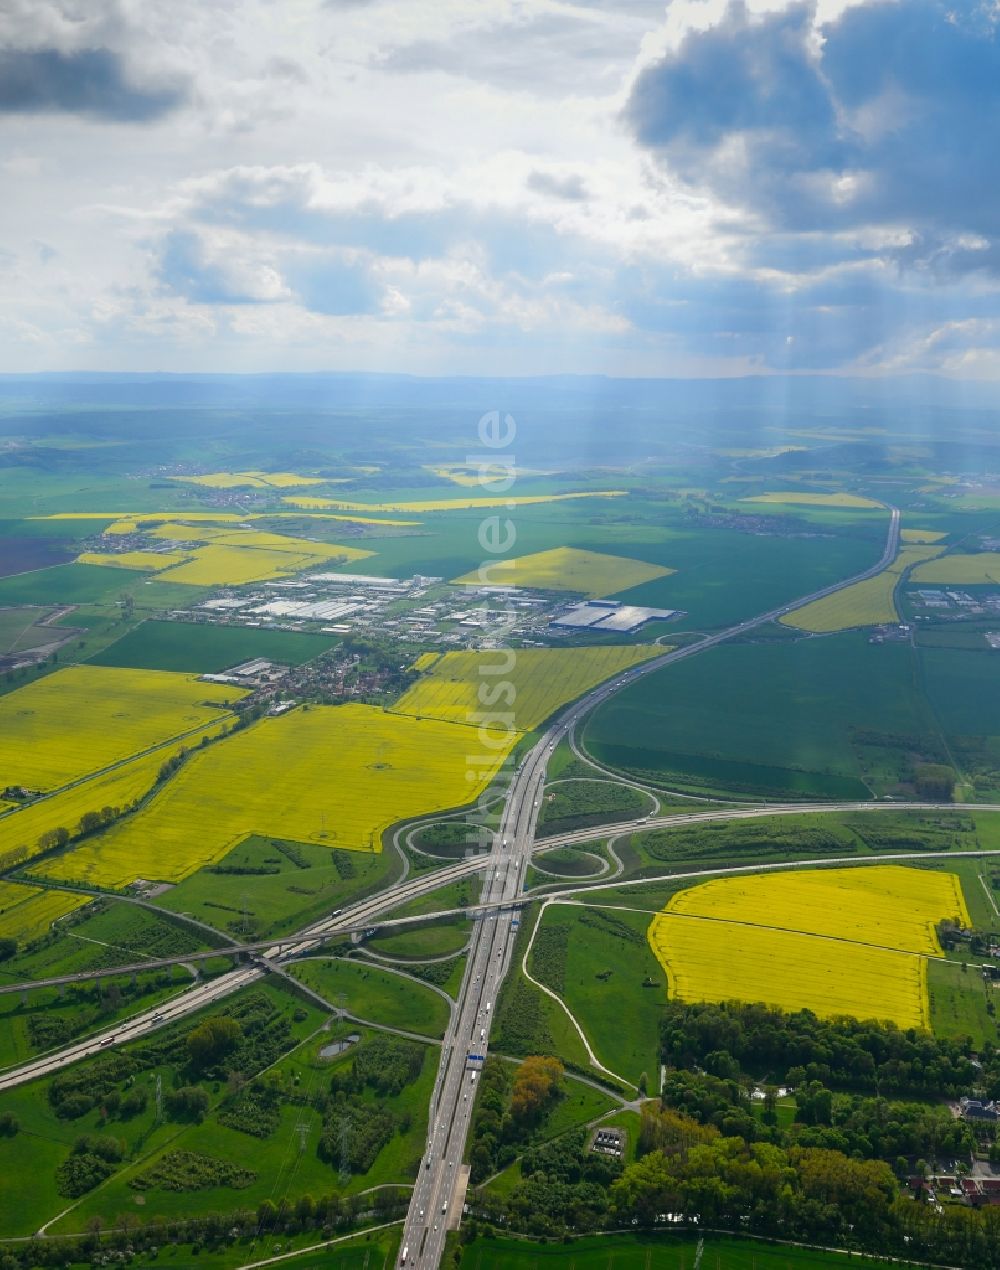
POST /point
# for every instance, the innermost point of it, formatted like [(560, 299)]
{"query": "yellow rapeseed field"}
[(961, 570), (119, 787), (888, 905), (150, 561), (228, 555), (27, 912), (475, 475), (84, 718), (542, 680), (867, 603), (837, 941), (333, 775), (253, 480), (152, 522), (229, 564), (452, 504), (921, 535), (569, 569), (715, 961), (806, 498)]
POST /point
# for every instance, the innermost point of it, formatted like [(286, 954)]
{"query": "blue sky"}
[(696, 188)]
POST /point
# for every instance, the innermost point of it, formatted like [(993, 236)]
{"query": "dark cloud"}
[(88, 82), (891, 119), (572, 188)]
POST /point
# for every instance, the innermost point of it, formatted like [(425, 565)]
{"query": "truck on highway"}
[(405, 1254)]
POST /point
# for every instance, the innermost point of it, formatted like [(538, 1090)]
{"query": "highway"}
[(355, 917), (435, 1201), (432, 1207)]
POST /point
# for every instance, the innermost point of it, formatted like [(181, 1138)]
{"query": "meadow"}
[(264, 886), (839, 941), (577, 803), (661, 1251), (867, 603), (454, 685), (201, 648), (600, 963), (28, 1186), (961, 1003), (83, 718), (374, 994), (285, 1161), (333, 775), (591, 573)]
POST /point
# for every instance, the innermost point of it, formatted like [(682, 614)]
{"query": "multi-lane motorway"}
[(435, 1192), (434, 1201)]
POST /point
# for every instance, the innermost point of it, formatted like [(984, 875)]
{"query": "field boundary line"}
[(327, 1243), (594, 1060)]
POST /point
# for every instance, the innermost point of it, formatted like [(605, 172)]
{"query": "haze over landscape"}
[(499, 634)]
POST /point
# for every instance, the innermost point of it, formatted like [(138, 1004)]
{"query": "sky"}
[(699, 188)]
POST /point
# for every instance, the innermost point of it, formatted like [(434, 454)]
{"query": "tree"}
[(536, 1085), (212, 1040), (8, 949), (935, 781)]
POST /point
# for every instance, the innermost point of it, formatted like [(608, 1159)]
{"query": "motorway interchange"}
[(438, 1191)]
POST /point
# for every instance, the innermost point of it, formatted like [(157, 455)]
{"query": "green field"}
[(108, 933), (529, 1022), (375, 995), (826, 717), (721, 577), (598, 962), (576, 803), (436, 939), (959, 1000), (284, 1165), (28, 1187), (263, 887), (19, 632), (651, 1252), (568, 862), (63, 584), (203, 649)]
